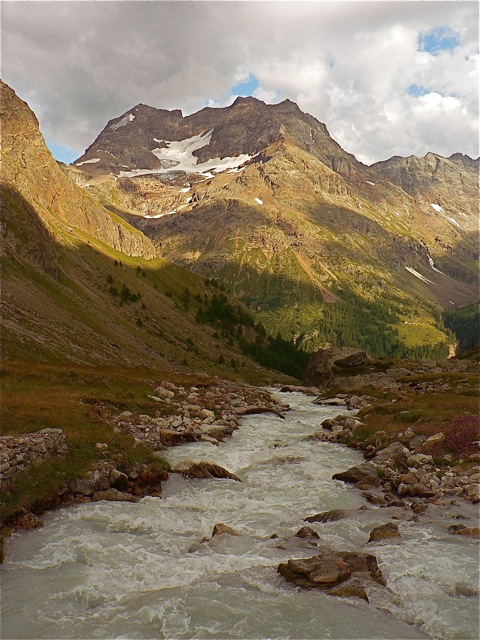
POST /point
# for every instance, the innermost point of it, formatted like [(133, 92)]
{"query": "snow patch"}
[(129, 117), (437, 207), (419, 275), (462, 214), (368, 182), (91, 161), (258, 201), (453, 221), (432, 265), (396, 213), (180, 152), (178, 156), (185, 190), (159, 215)]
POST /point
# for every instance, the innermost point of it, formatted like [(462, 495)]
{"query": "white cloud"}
[(349, 64)]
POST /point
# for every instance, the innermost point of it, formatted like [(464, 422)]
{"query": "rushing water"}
[(122, 570)]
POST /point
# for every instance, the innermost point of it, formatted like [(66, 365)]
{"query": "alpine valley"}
[(184, 276), (320, 247)]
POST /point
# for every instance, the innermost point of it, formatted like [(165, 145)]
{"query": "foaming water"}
[(122, 570)]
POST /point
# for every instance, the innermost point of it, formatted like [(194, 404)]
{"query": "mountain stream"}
[(141, 570)]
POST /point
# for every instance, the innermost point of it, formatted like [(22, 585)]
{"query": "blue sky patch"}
[(63, 154), (245, 88), (438, 39), (416, 90)]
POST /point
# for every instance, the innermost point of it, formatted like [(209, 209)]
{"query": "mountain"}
[(82, 287), (319, 246)]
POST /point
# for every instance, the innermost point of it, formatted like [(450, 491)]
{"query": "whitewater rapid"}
[(141, 570)]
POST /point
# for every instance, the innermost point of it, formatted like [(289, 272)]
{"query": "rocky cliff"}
[(32, 180)]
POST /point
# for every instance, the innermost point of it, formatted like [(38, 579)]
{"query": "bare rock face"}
[(435, 179), (37, 190)]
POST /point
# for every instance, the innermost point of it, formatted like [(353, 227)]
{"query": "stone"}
[(328, 424), (354, 424), (375, 499), (164, 393), (206, 438), (331, 568), (323, 571), (416, 442), (418, 460), (220, 528), (82, 486), (434, 440), (356, 402), (468, 531), (473, 492), (366, 472), (384, 532), (165, 384), (113, 495), (119, 480), (318, 436), (307, 533), (203, 469), (364, 565), (395, 452), (350, 589), (328, 516)]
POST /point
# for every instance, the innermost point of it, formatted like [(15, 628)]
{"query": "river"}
[(141, 570)]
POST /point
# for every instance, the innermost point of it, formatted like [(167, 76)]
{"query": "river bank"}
[(152, 569), (207, 411)]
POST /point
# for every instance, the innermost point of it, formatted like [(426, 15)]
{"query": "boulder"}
[(366, 473), (205, 469), (384, 532), (332, 568), (82, 486), (119, 480), (323, 571), (307, 533), (328, 516), (164, 393), (468, 531), (353, 360), (434, 440), (395, 453), (221, 528)]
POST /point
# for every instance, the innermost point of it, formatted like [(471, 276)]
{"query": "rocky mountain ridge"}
[(262, 198)]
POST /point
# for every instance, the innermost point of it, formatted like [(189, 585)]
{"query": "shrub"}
[(463, 435)]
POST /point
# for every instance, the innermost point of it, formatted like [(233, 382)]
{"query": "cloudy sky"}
[(385, 77)]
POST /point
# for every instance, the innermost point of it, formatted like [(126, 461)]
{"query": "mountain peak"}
[(246, 100)]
